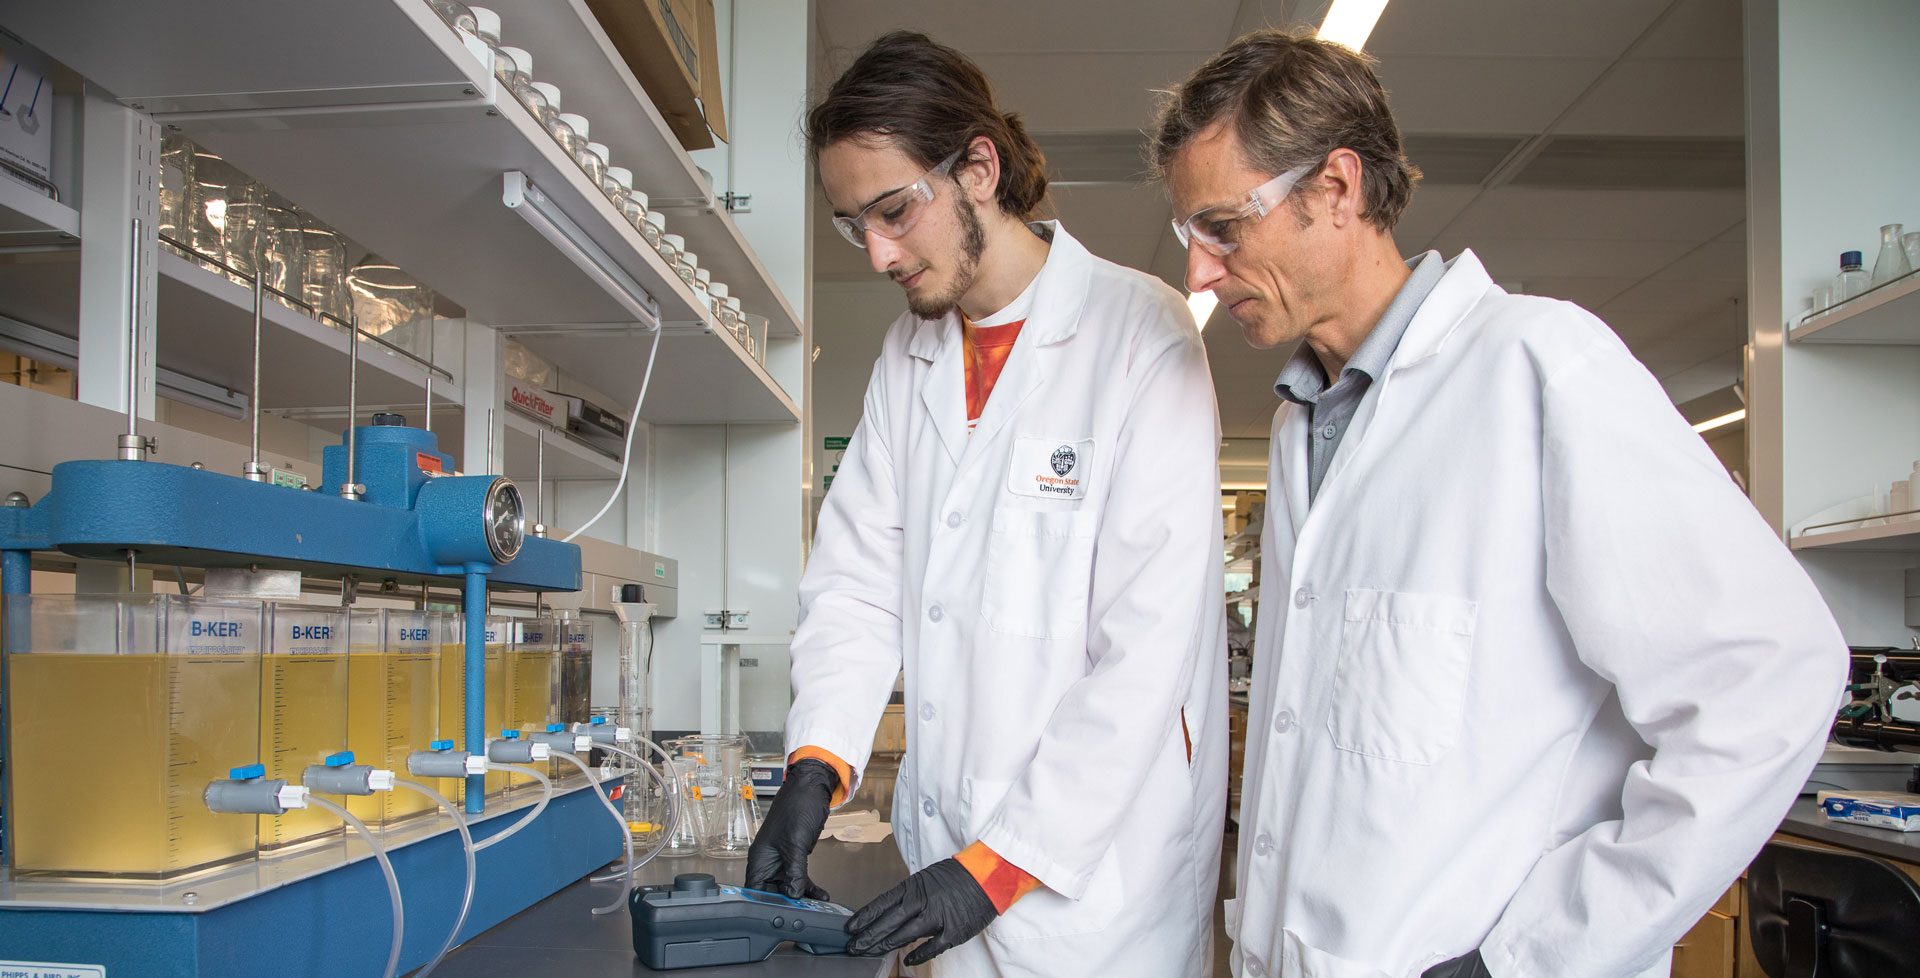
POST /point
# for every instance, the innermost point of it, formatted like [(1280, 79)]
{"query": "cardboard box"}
[(671, 47), (26, 109)]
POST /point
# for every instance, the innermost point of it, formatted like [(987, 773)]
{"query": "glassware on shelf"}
[(265, 235), (176, 175), (737, 321), (459, 16), (389, 303), (756, 329), (212, 181), (593, 159), (671, 245), (1852, 279), (1822, 300), (325, 282), (514, 67), (571, 133), (486, 25), (632, 205), (703, 287), (1892, 262), (1910, 243), (543, 100), (686, 265), (717, 301), (654, 229)]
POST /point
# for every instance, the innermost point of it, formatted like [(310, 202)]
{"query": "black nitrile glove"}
[(1467, 965), (777, 860), (942, 903)]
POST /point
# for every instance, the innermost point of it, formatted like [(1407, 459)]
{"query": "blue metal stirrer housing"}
[(417, 524)]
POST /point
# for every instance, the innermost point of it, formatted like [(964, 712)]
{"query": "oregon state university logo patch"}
[(1063, 460)]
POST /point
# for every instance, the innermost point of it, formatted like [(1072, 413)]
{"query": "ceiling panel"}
[(1684, 383), (1588, 293), (1107, 91), (1699, 29), (1483, 95), (1511, 27), (1429, 211), (1644, 215), (978, 26), (1510, 259), (1666, 98), (1717, 261)]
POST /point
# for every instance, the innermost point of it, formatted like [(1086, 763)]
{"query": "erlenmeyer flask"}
[(733, 811), (1892, 262), (685, 789)]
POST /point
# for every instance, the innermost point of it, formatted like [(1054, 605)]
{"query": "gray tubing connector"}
[(510, 751), (255, 796), (437, 763), (345, 779)]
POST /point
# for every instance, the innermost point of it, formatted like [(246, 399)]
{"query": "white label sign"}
[(47, 969), (1050, 469)]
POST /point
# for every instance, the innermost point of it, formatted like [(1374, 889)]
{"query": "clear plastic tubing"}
[(546, 795), (619, 822), (386, 866), (673, 816), (466, 844)]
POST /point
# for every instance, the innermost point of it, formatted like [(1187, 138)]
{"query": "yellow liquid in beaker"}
[(303, 720), (530, 679), (453, 709), (392, 704), (156, 729)]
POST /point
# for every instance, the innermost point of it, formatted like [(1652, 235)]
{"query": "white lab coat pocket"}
[(1042, 912), (1400, 691), (1039, 565)]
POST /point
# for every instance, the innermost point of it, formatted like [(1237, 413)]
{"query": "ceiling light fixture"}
[(1721, 421), (1349, 22), (1202, 304)]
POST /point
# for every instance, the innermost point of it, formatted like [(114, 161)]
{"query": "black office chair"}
[(1822, 913)]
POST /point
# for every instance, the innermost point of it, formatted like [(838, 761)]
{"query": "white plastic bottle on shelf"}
[(1852, 279)]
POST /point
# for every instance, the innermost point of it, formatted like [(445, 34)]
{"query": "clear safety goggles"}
[(1216, 228), (895, 214)]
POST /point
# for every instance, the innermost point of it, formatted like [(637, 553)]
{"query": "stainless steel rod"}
[(426, 423), (489, 469), (352, 489), (133, 337), (254, 470), (540, 475)]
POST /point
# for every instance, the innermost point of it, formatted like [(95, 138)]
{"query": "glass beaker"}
[(264, 234), (120, 710), (1892, 262), (303, 710), (683, 784), (176, 176), (212, 181), (654, 230), (393, 305), (1910, 243), (570, 131), (533, 673), (324, 285), (576, 672)]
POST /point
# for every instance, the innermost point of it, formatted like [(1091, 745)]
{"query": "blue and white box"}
[(1895, 810)]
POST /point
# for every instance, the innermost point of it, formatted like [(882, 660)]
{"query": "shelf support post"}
[(120, 177)]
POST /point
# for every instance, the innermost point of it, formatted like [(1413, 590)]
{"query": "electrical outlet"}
[(737, 620), (749, 663), (712, 618)]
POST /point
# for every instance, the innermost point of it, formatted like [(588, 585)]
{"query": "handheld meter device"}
[(697, 921)]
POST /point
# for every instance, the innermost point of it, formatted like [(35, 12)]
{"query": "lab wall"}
[(850, 321)]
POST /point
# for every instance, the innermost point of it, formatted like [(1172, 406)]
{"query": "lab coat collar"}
[(1059, 297), (1457, 292)]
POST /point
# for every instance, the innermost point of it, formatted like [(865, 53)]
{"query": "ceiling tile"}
[(1430, 210), (1665, 98), (1643, 215), (1724, 261), (1588, 293), (1521, 259), (1699, 29), (1437, 94), (1512, 27), (1107, 92), (981, 26)]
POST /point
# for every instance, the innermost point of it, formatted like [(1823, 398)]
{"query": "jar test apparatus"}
[(389, 509)]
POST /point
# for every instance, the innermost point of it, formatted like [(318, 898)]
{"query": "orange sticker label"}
[(428, 463)]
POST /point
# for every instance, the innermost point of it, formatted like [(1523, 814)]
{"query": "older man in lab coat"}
[(1533, 681), (1026, 523)]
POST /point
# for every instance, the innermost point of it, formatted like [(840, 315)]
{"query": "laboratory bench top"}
[(1805, 821), (560, 936)]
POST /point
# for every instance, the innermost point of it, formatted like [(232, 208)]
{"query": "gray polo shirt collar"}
[(1303, 379)]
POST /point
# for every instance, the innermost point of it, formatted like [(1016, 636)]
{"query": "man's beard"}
[(973, 244)]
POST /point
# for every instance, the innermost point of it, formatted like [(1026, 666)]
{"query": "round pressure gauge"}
[(506, 519)]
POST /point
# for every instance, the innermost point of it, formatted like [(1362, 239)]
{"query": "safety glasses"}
[(895, 214), (1217, 228)]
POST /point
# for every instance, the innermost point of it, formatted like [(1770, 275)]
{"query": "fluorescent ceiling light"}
[(1349, 22), (1721, 421), (1202, 304)]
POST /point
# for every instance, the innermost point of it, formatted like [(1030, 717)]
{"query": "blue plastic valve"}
[(440, 745), (248, 773), (556, 727), (341, 759), (509, 735), (598, 720)]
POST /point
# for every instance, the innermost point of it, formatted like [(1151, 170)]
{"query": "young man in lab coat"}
[(1026, 523), (1533, 682)]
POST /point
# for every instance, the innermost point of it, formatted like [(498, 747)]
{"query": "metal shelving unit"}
[(1887, 538), (1886, 316), (30, 217)]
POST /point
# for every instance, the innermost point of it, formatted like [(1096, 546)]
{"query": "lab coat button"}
[(927, 806), (926, 711), (1283, 721), (1254, 967), (1263, 844), (1301, 597), (954, 519), (935, 614)]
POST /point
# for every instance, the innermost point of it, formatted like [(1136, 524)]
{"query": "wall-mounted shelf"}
[(703, 376), (571, 50), (205, 327), (1887, 538), (1886, 316), (28, 216), (566, 459)]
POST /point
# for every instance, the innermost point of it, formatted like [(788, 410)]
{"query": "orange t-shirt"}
[(987, 349)]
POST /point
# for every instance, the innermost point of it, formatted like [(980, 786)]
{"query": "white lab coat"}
[(1052, 587), (1531, 675)]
